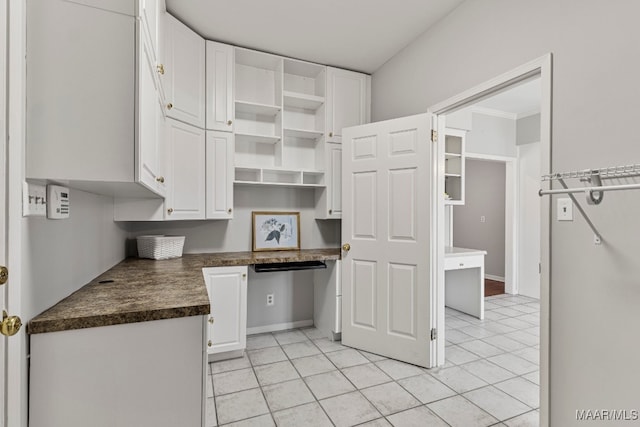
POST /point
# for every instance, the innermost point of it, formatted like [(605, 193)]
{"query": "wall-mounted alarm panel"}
[(57, 202)]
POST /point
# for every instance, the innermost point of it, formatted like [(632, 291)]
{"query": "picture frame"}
[(275, 231)]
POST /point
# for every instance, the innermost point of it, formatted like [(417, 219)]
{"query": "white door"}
[(3, 196), (386, 275), (528, 280)]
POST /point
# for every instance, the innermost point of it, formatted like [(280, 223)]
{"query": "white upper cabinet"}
[(151, 125), (219, 86), (348, 99), (184, 73), (220, 155), (152, 20), (329, 199), (82, 100), (186, 171), (454, 166)]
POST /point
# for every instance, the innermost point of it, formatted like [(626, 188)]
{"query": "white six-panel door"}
[(386, 221)]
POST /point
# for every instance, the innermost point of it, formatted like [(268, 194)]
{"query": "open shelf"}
[(256, 108), (452, 155), (279, 177), (302, 100), (253, 137), (302, 133)]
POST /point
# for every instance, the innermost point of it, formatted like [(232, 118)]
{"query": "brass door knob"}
[(160, 179), (244, 275), (170, 211), (330, 211), (160, 69), (229, 122), (211, 320), (10, 324), (330, 134), (169, 106), (4, 275), (209, 343), (229, 210), (346, 247)]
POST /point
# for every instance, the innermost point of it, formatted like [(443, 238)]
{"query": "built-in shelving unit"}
[(279, 120), (454, 160)]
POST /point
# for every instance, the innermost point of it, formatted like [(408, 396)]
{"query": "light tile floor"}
[(300, 378)]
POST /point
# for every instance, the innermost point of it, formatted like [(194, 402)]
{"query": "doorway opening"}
[(519, 317)]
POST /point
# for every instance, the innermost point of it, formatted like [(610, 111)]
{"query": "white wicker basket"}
[(160, 247)]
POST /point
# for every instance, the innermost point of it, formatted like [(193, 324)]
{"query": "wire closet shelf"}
[(594, 190), (594, 177)]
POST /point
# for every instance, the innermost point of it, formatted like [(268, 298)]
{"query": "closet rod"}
[(587, 189)]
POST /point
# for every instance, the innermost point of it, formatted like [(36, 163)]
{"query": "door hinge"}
[(434, 334), (434, 135)]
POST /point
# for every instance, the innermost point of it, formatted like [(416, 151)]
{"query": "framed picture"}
[(276, 231)]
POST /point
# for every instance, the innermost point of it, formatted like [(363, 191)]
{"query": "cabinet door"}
[(454, 166), (186, 178), (220, 111), (184, 73), (227, 287), (329, 199), (334, 184), (148, 128), (347, 101), (220, 148)]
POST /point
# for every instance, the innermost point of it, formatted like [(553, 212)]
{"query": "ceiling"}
[(360, 35), (519, 101)]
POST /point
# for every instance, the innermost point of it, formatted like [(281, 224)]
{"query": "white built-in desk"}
[(464, 280)]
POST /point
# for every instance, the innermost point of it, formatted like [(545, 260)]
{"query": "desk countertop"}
[(452, 251), (140, 290)]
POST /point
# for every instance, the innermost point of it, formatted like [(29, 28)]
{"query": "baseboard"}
[(279, 327), (492, 277)]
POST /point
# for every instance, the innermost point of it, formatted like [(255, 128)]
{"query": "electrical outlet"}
[(34, 200), (565, 210), (270, 300)]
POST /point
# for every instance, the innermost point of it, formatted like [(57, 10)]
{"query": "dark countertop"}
[(145, 289)]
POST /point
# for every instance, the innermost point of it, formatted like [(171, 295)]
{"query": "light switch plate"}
[(565, 209), (34, 200)]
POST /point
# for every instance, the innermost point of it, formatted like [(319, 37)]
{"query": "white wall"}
[(293, 292), (491, 135), (528, 129), (484, 197), (528, 280), (595, 292), (61, 256)]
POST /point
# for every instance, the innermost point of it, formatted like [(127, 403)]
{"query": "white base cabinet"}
[(146, 374), (227, 330), (327, 300)]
